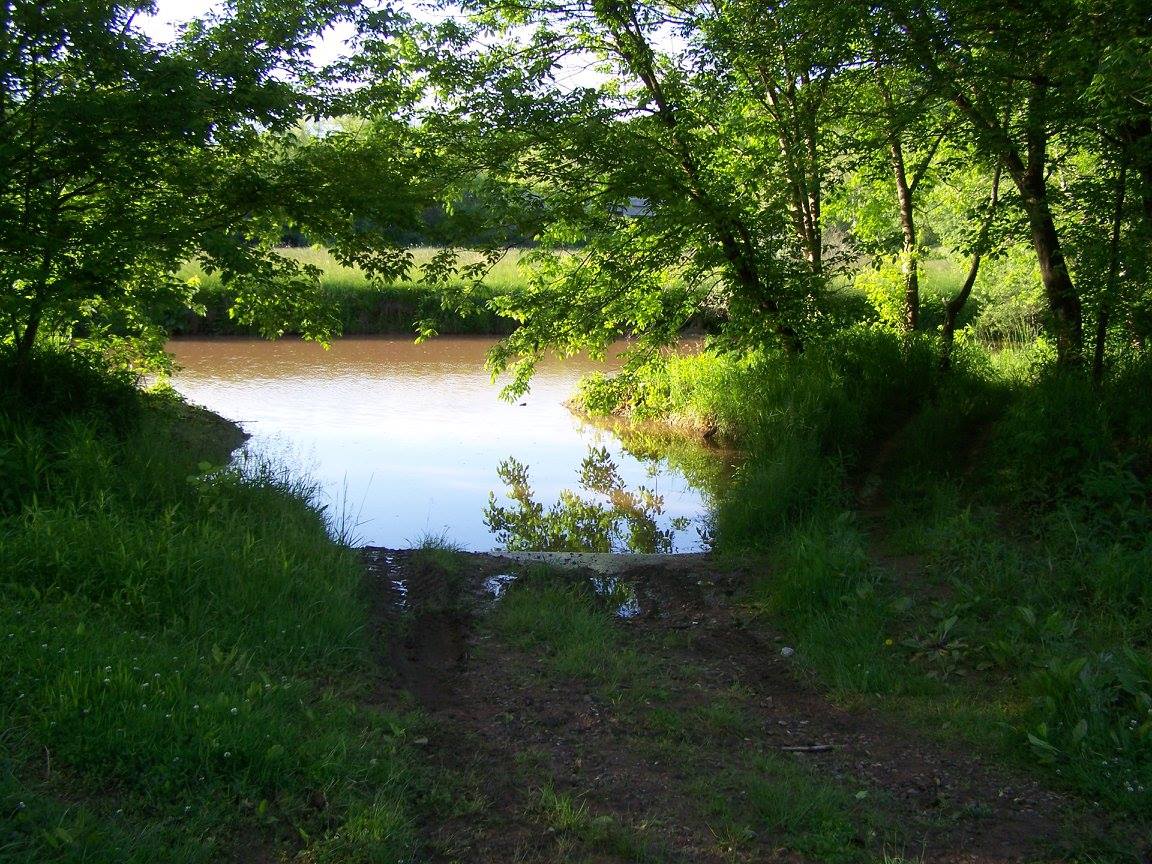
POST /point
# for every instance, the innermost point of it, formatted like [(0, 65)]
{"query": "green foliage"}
[(1055, 429), (804, 420), (1092, 718), (883, 285), (362, 304), (121, 157), (1012, 501), (570, 625), (1010, 307)]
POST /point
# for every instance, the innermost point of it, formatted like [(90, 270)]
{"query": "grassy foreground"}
[(183, 673), (970, 551), (361, 306)]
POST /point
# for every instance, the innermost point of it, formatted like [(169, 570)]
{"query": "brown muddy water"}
[(404, 440)]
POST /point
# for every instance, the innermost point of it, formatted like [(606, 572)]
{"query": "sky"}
[(574, 71), (161, 26), (171, 13)]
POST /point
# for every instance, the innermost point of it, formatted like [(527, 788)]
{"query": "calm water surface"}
[(406, 438)]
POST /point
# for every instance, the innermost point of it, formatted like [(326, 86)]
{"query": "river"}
[(404, 440)]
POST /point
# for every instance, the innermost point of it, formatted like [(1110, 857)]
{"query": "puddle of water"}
[(618, 592), (405, 440), (400, 586), (498, 584)]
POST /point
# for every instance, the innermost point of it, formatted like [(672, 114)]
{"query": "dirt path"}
[(705, 762)]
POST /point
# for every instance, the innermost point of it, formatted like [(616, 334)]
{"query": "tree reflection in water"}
[(615, 520)]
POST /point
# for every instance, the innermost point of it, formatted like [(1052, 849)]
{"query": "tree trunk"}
[(909, 258), (1063, 302), (955, 306), (733, 235), (1060, 292), (25, 344), (909, 265), (1105, 312)]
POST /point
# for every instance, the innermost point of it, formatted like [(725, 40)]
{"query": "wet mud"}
[(494, 714)]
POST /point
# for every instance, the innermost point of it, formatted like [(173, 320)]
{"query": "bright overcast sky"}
[(171, 13)]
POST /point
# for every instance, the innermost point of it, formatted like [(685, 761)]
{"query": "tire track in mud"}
[(506, 733)]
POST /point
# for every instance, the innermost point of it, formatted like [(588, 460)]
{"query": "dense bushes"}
[(982, 538), (806, 422)]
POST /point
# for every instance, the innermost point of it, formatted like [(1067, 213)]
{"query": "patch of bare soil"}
[(508, 733)]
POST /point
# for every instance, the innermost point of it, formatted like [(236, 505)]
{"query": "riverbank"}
[(654, 716), (968, 551), (363, 306), (886, 671), (186, 673)]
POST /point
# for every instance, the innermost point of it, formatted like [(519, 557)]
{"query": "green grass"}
[(978, 540), (770, 797), (184, 675), (575, 824), (361, 305), (542, 611), (757, 795)]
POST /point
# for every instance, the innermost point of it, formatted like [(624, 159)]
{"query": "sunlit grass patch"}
[(366, 306), (573, 821)]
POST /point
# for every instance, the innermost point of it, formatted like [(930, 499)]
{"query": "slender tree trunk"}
[(909, 263), (955, 305), (798, 137), (816, 245), (733, 235), (909, 258), (1105, 312), (1029, 177), (24, 345), (1063, 299)]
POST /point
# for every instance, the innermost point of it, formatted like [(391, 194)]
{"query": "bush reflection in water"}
[(607, 518)]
